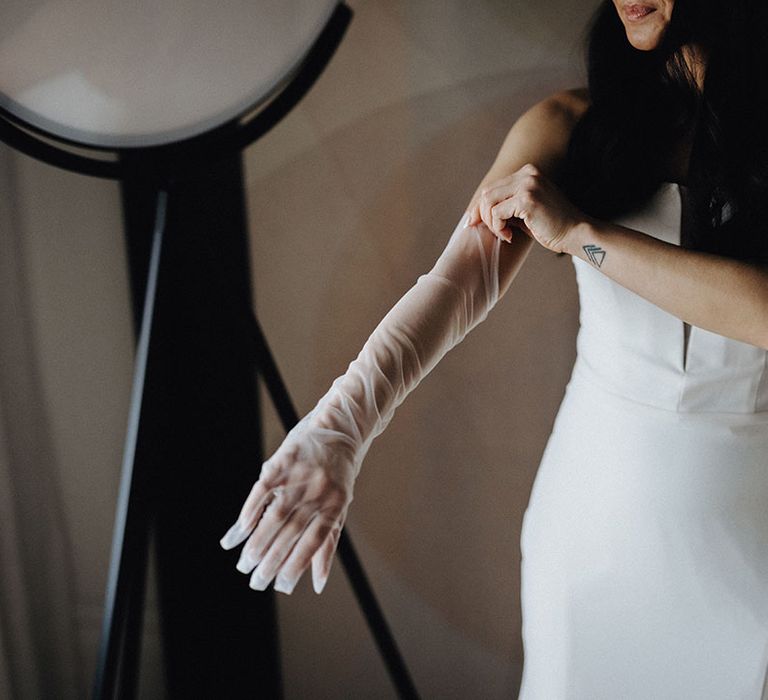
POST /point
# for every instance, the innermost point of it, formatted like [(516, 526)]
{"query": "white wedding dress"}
[(645, 541)]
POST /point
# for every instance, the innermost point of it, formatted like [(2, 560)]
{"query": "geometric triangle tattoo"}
[(595, 253)]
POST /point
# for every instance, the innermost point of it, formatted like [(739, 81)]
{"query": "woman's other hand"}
[(529, 201), (296, 509)]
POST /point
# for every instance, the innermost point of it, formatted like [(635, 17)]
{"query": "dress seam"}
[(585, 375)]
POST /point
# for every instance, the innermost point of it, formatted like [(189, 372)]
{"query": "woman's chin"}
[(645, 42)]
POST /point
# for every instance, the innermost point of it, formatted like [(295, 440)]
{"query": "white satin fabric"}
[(645, 541)]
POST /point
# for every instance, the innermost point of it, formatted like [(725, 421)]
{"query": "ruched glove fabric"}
[(297, 508)]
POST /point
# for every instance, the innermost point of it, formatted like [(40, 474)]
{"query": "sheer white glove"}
[(299, 504)]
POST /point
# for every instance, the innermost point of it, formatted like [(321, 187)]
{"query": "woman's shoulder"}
[(576, 100), (542, 133), (564, 108)]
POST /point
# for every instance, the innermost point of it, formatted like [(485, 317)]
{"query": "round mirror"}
[(112, 73)]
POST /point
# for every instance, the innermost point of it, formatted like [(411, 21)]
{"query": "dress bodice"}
[(634, 348)]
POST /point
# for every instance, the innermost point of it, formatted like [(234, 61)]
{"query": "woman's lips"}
[(636, 11)]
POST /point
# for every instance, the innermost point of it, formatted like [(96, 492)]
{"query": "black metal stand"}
[(203, 442), (129, 543), (193, 444)]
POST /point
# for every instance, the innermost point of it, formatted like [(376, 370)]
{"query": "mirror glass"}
[(141, 73)]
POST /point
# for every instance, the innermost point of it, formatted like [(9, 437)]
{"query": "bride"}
[(645, 553)]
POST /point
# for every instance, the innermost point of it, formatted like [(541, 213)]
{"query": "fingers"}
[(276, 515), (249, 516), (253, 507), (280, 549), (304, 552), (288, 536), (483, 208), (475, 208), (473, 215), (501, 216), (488, 200), (300, 556), (323, 558), (305, 515), (498, 223), (310, 538)]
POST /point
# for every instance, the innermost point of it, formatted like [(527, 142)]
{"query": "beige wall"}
[(350, 199)]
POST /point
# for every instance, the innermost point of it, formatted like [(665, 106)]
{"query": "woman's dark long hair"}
[(643, 103)]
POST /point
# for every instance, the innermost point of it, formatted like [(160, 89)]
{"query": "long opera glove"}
[(297, 508)]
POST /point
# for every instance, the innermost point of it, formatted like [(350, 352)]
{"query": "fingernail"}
[(465, 221), (284, 585), (230, 538), (244, 564), (318, 583), (258, 582)]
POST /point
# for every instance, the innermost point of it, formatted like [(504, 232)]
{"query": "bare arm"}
[(720, 294)]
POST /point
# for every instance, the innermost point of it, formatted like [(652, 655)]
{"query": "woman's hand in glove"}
[(298, 507)]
